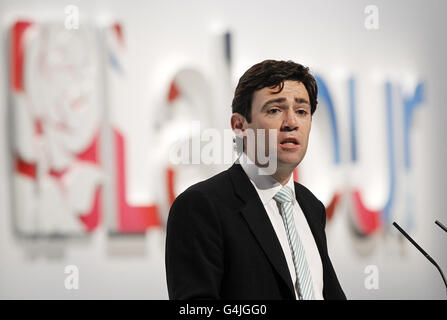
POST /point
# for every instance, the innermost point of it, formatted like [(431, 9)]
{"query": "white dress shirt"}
[(266, 187)]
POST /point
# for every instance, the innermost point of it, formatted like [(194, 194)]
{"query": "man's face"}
[(288, 112)]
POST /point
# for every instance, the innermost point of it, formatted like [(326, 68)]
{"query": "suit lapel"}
[(257, 219)]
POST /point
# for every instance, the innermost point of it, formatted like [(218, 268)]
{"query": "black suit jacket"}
[(220, 243)]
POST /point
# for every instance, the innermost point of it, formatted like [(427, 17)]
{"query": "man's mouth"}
[(289, 142)]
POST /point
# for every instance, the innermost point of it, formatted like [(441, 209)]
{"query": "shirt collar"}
[(265, 184)]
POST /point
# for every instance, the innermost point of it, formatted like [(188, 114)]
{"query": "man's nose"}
[(290, 122)]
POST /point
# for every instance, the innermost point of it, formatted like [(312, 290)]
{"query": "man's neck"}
[(282, 176)]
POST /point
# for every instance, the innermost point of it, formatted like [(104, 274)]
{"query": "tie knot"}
[(284, 195)]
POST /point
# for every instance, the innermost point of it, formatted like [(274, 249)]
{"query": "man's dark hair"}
[(271, 73)]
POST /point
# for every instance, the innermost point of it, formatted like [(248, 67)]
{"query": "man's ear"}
[(238, 122), (238, 125)]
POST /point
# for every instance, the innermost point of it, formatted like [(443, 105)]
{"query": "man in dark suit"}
[(251, 232)]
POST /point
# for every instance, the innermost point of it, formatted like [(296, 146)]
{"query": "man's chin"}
[(288, 163)]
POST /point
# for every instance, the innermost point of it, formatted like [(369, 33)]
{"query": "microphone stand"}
[(422, 250), (443, 227)]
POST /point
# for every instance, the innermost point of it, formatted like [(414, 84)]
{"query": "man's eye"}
[(273, 111), (302, 112)]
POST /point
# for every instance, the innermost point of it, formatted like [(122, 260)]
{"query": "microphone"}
[(422, 251), (443, 227)]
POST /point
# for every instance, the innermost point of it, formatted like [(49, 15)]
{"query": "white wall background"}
[(329, 36)]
